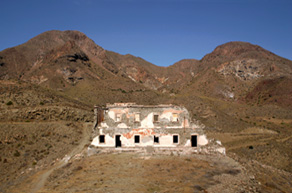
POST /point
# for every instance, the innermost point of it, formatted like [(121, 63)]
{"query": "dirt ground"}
[(132, 172), (265, 153), (29, 147), (68, 168)]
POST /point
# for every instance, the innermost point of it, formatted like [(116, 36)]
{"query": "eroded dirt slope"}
[(29, 147), (131, 172)]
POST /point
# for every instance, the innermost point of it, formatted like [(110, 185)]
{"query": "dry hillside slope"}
[(48, 86)]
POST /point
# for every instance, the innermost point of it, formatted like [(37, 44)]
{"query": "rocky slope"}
[(240, 91), (70, 61), (233, 69)]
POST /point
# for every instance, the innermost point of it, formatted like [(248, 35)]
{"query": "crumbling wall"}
[(146, 113), (171, 126)]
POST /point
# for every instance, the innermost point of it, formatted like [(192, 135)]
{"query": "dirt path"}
[(43, 175)]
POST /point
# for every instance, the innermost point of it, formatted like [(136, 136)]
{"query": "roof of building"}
[(134, 105)]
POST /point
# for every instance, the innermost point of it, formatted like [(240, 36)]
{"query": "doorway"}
[(118, 141), (194, 141)]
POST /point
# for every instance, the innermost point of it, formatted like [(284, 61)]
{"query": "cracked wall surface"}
[(170, 125)]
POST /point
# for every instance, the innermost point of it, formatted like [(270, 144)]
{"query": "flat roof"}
[(134, 105)]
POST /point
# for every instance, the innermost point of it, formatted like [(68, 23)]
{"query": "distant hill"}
[(70, 62), (73, 64), (234, 69)]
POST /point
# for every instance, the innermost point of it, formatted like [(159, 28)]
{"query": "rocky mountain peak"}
[(52, 39), (237, 50)]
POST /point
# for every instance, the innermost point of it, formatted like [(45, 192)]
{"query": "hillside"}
[(69, 61), (240, 92), (235, 68)]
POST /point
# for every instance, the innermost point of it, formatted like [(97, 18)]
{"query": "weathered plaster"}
[(202, 140), (188, 143), (147, 128), (122, 125), (109, 141), (166, 115), (221, 150), (111, 115), (147, 122), (103, 125)]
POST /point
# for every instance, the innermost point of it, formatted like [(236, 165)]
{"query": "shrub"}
[(9, 103), (16, 154)]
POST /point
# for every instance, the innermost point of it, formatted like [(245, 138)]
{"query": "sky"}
[(159, 31)]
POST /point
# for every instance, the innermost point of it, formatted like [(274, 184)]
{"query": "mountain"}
[(240, 92), (70, 62), (234, 69)]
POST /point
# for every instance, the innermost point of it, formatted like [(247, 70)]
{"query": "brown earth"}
[(70, 62), (132, 172), (30, 147), (240, 91)]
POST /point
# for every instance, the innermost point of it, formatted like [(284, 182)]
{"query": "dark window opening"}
[(194, 141), (101, 139), (137, 138), (156, 139), (175, 139), (156, 118), (118, 141)]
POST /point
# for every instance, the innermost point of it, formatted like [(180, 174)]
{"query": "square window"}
[(101, 139), (174, 117), (156, 139), (137, 138), (155, 118), (137, 117), (118, 117), (175, 138)]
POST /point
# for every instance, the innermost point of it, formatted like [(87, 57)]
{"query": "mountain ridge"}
[(65, 60)]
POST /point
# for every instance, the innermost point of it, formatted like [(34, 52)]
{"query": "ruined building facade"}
[(123, 125)]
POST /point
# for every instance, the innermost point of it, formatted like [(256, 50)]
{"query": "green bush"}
[(9, 103)]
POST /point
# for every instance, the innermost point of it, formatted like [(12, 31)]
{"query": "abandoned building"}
[(126, 125)]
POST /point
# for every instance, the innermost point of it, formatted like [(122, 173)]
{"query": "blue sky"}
[(160, 31)]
